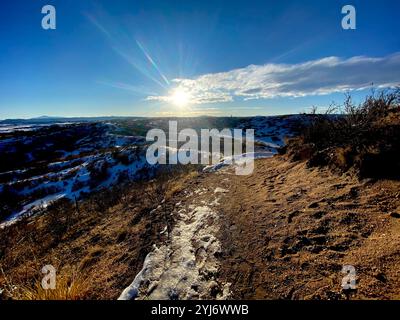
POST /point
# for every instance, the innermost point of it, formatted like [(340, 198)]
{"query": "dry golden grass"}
[(178, 185), (92, 256), (70, 285), (105, 237)]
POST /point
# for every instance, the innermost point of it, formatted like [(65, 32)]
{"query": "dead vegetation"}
[(97, 245), (362, 137), (70, 285)]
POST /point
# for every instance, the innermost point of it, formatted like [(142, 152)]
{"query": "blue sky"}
[(222, 57)]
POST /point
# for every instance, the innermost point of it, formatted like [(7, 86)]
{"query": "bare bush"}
[(363, 136)]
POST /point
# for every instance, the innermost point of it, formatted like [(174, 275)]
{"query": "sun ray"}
[(150, 59)]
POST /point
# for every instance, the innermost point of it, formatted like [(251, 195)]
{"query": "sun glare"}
[(180, 97)]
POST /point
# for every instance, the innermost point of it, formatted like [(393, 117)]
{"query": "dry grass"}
[(364, 138), (92, 256), (177, 185), (70, 285), (105, 237)]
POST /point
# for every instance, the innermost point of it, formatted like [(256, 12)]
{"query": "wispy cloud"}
[(317, 77)]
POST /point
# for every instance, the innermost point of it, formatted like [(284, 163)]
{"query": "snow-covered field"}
[(43, 163), (269, 135), (98, 160)]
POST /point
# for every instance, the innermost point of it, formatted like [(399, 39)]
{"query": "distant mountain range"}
[(50, 119)]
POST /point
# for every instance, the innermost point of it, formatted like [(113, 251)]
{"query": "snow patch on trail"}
[(150, 263), (187, 267), (238, 160)]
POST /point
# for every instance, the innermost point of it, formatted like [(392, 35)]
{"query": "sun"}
[(180, 97)]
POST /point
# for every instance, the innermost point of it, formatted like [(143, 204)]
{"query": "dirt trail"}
[(284, 232), (288, 230), (186, 266)]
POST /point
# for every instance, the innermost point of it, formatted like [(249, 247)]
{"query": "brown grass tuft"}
[(70, 285)]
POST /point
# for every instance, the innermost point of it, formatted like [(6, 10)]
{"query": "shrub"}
[(122, 157), (9, 201), (365, 137), (98, 172), (353, 123), (78, 184)]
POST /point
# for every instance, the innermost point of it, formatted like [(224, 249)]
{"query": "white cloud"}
[(317, 77)]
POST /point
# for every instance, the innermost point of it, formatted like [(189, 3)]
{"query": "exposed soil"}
[(288, 230)]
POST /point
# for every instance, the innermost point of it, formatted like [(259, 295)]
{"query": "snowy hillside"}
[(47, 162)]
